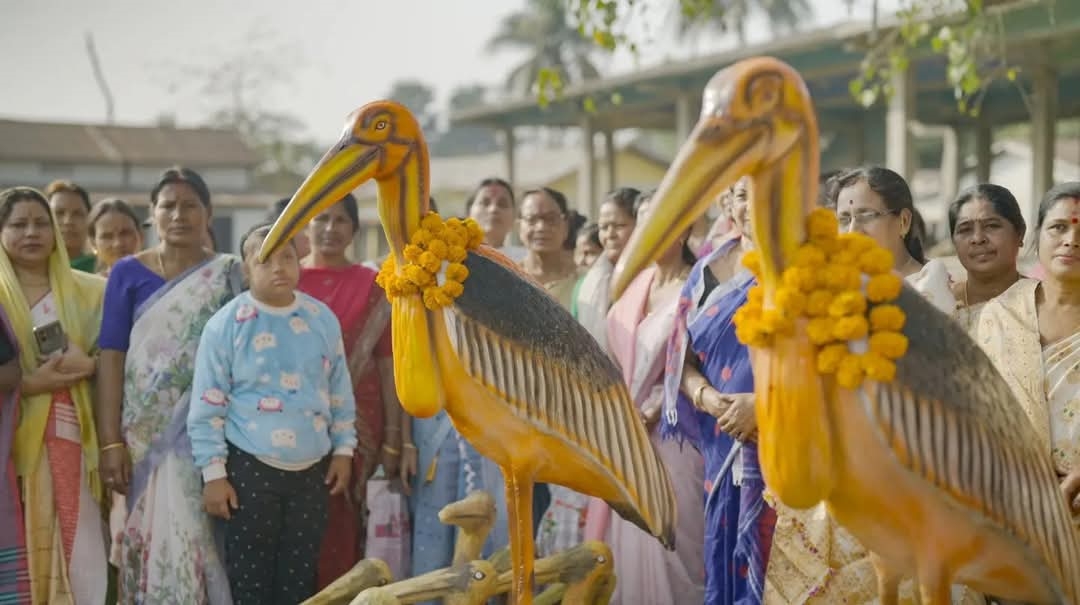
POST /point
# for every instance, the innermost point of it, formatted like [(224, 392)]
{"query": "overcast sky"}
[(338, 54)]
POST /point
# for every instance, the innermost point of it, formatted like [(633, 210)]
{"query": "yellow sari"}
[(48, 567)]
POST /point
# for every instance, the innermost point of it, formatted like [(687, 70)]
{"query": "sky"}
[(332, 57)]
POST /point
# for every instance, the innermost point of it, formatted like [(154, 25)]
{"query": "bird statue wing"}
[(520, 344), (948, 409)]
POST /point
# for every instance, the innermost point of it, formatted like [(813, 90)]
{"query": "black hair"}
[(1063, 191), (277, 208), (10, 197), (592, 232), (828, 188), (432, 206), (351, 210), (555, 195), (574, 223), (488, 182), (1003, 201), (896, 195), (179, 174), (259, 230), (106, 206), (625, 198), (644, 197), (68, 187)]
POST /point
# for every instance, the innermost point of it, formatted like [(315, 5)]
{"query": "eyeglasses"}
[(550, 219), (861, 218)]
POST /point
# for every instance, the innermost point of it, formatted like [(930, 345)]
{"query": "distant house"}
[(125, 162), (453, 179)]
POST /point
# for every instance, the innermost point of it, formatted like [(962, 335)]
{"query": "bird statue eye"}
[(764, 93), (380, 125)]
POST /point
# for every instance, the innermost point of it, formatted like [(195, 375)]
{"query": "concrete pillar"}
[(587, 170), (1043, 126), (610, 161), (684, 117), (508, 153), (899, 147), (984, 155)]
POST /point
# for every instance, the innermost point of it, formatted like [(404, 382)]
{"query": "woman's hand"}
[(115, 468), (49, 377), (339, 473), (390, 458), (76, 361), (408, 467), (1070, 488), (650, 409), (712, 402), (739, 420)]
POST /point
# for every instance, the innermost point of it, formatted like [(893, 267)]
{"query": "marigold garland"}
[(435, 256), (844, 287)]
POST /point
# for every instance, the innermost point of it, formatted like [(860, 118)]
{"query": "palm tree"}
[(783, 15), (543, 30)]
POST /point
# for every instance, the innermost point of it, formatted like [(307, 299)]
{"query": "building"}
[(126, 161)]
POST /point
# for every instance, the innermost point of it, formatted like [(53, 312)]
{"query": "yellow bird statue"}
[(521, 380), (867, 397)]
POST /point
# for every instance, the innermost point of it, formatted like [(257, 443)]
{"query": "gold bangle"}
[(390, 450), (112, 446), (696, 399), (408, 446)]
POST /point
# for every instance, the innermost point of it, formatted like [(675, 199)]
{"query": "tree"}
[(418, 97), (781, 14), (557, 52)]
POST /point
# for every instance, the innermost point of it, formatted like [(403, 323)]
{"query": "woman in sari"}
[(708, 401), (361, 307), (591, 300), (55, 313), (1032, 334), (114, 233), (157, 303), (492, 207), (14, 577), (988, 230), (639, 326)]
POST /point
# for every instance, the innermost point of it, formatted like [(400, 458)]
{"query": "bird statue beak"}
[(705, 166), (344, 168)]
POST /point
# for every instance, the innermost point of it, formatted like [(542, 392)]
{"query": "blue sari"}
[(738, 523)]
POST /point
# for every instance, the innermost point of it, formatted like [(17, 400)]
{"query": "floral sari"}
[(168, 548), (364, 313), (14, 572), (738, 523), (55, 444)]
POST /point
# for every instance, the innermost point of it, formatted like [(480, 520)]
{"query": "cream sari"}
[(815, 560)]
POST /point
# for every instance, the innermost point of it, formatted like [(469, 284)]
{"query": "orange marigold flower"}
[(876, 261), (851, 302), (819, 330), (884, 287), (439, 248), (817, 304), (454, 222), (849, 373), (421, 237), (456, 253), (850, 328), (411, 253), (453, 289), (430, 262), (886, 318), (878, 368), (890, 345), (828, 358), (456, 272), (431, 220), (456, 237), (435, 298), (476, 234), (416, 274)]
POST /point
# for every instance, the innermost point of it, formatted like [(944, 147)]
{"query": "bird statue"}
[(867, 397), (520, 379)]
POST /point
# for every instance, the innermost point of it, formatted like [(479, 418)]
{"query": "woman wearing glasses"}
[(877, 202)]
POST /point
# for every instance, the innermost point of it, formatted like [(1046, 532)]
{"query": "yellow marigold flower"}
[(886, 318), (800, 279), (810, 256), (884, 287), (775, 322), (411, 253), (456, 272), (850, 328), (817, 304), (746, 314), (454, 223), (819, 330), (821, 225), (752, 334), (456, 253), (421, 237), (841, 277), (439, 248), (408, 289), (435, 298), (476, 234), (878, 368), (790, 302), (890, 345), (751, 259), (876, 261), (849, 373), (431, 220), (851, 302), (828, 358), (430, 262), (456, 237), (857, 243), (756, 295), (416, 274), (844, 256), (453, 289)]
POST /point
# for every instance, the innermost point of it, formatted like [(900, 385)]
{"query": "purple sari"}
[(14, 574), (738, 523)]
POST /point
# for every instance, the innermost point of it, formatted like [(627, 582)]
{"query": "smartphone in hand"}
[(50, 339)]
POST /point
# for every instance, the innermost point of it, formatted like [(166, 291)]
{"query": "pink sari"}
[(364, 313), (647, 572)]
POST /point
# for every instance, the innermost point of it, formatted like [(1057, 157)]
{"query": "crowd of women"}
[(102, 500)]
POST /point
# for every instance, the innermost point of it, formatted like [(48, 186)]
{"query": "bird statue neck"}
[(404, 200)]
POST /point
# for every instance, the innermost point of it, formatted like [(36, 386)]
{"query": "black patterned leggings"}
[(272, 540)]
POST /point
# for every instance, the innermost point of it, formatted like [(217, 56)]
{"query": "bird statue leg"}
[(519, 497), (887, 581), (934, 587)]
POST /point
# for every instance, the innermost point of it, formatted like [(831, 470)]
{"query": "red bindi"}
[(1075, 220)]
